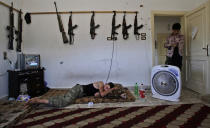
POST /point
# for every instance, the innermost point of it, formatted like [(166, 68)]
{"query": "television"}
[(27, 61)]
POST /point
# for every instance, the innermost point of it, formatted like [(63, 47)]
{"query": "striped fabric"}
[(164, 116)]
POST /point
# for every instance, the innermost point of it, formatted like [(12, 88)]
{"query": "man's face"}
[(106, 87), (176, 32)]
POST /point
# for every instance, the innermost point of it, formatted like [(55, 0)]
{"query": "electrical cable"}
[(4, 73), (110, 68)]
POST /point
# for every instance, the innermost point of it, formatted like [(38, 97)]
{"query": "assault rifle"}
[(114, 28), (125, 28), (93, 27), (136, 27), (71, 30), (10, 28), (65, 39), (19, 32)]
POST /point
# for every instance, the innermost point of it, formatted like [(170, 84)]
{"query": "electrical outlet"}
[(111, 38), (5, 55)]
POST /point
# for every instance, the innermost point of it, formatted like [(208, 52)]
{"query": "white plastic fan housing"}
[(166, 82)]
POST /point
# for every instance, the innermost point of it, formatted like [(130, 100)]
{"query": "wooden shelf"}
[(9, 7), (78, 12)]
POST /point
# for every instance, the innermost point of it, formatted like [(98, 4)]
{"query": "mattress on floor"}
[(113, 97)]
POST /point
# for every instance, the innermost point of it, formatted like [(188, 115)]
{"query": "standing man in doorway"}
[(175, 46)]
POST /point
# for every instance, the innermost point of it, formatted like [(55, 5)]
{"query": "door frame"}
[(180, 14)]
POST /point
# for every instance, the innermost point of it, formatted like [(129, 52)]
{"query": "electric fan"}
[(166, 82)]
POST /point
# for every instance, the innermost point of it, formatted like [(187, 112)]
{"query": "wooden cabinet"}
[(33, 78)]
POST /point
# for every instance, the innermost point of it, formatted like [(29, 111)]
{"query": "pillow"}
[(114, 96)]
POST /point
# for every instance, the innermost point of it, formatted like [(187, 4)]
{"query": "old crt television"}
[(28, 61)]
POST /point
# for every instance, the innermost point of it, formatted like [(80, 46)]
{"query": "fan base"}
[(166, 98)]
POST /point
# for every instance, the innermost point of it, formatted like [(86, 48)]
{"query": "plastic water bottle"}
[(90, 104), (136, 89), (142, 91)]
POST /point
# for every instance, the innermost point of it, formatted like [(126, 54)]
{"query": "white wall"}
[(89, 60), (4, 65), (163, 24)]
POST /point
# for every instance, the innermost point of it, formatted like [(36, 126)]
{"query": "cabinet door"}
[(35, 87)]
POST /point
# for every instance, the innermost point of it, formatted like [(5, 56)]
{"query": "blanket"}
[(114, 96)]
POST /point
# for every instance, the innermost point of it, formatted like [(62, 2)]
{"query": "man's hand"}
[(114, 88), (31, 101), (97, 94), (173, 45)]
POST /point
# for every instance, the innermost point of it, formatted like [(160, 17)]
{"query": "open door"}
[(197, 28), (161, 51)]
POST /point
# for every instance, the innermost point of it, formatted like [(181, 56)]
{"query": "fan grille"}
[(165, 83)]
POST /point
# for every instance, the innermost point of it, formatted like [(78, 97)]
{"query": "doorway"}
[(196, 61), (163, 25), (162, 22)]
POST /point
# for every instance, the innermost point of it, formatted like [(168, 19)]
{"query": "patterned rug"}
[(10, 112), (164, 116)]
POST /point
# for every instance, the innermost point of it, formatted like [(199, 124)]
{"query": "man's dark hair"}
[(111, 84), (176, 26)]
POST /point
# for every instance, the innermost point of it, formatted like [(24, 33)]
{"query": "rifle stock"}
[(71, 30), (10, 28), (136, 27), (125, 28), (60, 24), (114, 28), (19, 32), (93, 27), (65, 39)]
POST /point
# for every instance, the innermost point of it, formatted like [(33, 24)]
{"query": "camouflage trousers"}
[(67, 99)]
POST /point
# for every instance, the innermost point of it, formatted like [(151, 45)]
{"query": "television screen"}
[(32, 61), (28, 61)]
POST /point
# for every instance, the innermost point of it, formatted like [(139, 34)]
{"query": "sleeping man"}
[(97, 89)]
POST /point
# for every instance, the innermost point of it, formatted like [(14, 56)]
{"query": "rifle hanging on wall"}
[(65, 39), (114, 28), (136, 27), (71, 30), (125, 28), (19, 32), (93, 27), (10, 28)]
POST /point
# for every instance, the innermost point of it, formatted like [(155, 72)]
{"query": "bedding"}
[(12, 112), (114, 96)]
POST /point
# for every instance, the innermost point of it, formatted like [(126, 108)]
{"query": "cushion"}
[(112, 97)]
